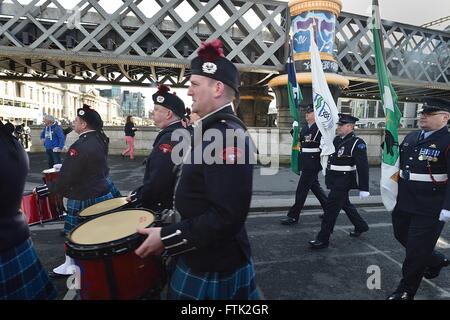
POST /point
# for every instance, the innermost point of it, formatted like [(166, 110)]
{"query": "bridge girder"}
[(133, 46)]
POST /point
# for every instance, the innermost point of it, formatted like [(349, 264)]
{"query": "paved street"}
[(286, 268)]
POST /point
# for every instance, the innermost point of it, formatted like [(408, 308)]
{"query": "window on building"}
[(18, 90), (401, 106), (381, 113), (371, 109), (359, 108)]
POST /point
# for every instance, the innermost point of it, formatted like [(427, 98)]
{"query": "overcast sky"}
[(415, 12)]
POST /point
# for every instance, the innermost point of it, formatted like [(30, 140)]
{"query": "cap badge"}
[(160, 99), (209, 67), (81, 113)]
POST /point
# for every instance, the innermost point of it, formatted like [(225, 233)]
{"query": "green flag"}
[(294, 97), (390, 157)]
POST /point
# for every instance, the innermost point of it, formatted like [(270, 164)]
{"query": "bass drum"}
[(103, 248)]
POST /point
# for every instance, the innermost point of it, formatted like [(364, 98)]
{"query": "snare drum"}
[(36, 210), (104, 207), (104, 247), (55, 199)]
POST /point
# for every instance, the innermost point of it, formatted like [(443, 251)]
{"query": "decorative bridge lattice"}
[(140, 42), (137, 42)]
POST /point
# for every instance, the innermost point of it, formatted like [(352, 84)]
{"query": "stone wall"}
[(146, 135)]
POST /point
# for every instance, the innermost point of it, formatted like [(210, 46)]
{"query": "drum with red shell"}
[(104, 207), (55, 199), (36, 210), (103, 249)]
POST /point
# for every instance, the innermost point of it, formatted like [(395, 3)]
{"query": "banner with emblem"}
[(294, 98), (390, 157), (325, 109)]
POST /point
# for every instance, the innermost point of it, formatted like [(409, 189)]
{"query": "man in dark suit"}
[(349, 158), (210, 243), (423, 200)]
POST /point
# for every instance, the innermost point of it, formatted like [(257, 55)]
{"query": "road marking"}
[(315, 257), (443, 293), (377, 209)]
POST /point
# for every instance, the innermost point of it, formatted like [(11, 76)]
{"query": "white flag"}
[(325, 109)]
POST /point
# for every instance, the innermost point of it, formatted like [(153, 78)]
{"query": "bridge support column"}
[(303, 14), (254, 105)]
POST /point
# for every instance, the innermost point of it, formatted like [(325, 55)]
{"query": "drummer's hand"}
[(131, 197), (152, 245)]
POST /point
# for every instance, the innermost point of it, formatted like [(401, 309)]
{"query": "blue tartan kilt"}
[(75, 206), (112, 188), (186, 284), (22, 276)]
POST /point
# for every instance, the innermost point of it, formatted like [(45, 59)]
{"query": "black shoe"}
[(288, 221), (356, 233), (317, 244), (433, 272), (400, 296)]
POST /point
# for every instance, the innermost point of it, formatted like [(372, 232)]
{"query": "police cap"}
[(435, 104), (346, 118)]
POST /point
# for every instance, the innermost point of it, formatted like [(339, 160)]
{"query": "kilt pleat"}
[(22, 276), (185, 284), (75, 206)]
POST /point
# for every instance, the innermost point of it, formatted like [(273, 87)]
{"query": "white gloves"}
[(56, 149), (294, 124), (444, 216), (363, 194)]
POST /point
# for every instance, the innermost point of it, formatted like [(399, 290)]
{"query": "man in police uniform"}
[(423, 200), (309, 162), (83, 175), (156, 193), (350, 157), (213, 199)]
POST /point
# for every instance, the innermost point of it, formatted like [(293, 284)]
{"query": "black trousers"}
[(308, 181), (337, 200), (418, 234)]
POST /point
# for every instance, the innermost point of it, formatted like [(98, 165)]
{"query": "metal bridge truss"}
[(141, 42), (417, 58)]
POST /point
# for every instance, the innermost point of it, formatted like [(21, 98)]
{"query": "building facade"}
[(28, 102)]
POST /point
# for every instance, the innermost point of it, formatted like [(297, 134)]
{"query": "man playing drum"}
[(156, 193), (83, 176), (210, 242)]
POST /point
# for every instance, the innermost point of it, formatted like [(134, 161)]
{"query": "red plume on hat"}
[(211, 51), (162, 89)]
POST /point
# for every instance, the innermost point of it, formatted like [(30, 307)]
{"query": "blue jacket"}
[(54, 137)]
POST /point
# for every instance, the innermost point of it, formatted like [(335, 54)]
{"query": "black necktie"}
[(422, 135)]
